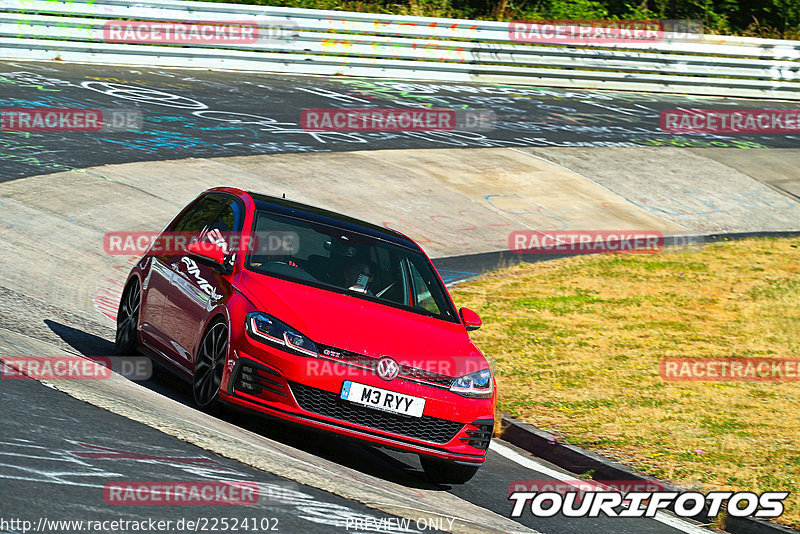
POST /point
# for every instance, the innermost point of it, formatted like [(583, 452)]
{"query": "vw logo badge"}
[(388, 368)]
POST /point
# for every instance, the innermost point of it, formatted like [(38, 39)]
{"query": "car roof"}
[(282, 206)]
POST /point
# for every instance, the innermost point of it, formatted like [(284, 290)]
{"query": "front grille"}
[(329, 404), (429, 376), (371, 363)]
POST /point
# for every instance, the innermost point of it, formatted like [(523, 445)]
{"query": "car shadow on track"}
[(393, 466)]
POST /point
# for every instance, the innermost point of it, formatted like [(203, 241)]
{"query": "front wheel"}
[(210, 364), (445, 472), (128, 320)]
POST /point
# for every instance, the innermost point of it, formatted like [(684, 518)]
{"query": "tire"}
[(444, 472), (209, 364), (125, 341)]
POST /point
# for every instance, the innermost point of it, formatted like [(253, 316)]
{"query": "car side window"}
[(199, 216), (229, 219), (422, 294), (222, 227)]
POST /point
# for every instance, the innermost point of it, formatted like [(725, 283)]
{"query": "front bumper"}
[(306, 390)]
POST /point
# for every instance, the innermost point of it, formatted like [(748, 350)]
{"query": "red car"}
[(317, 318)]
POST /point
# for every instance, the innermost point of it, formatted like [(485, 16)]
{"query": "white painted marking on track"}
[(514, 456)]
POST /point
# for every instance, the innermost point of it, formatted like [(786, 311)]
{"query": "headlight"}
[(268, 329), (476, 385)]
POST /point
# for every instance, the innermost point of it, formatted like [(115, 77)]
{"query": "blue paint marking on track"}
[(213, 114), (449, 276)]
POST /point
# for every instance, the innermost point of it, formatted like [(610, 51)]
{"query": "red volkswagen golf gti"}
[(311, 316)]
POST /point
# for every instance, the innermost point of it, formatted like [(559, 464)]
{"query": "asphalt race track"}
[(194, 113), (66, 450), (58, 453), (63, 441)]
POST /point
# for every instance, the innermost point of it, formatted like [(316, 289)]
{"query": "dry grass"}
[(577, 344)]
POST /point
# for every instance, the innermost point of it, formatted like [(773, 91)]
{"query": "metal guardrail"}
[(421, 48)]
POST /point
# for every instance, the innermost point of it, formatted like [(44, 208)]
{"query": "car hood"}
[(358, 325)]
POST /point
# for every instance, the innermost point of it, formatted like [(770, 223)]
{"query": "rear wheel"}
[(445, 472), (210, 364), (128, 320)]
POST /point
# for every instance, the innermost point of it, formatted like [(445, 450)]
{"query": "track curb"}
[(578, 460), (469, 266)]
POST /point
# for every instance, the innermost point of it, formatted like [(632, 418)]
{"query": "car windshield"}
[(332, 258)]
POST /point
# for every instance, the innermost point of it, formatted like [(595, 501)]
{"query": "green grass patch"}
[(576, 344)]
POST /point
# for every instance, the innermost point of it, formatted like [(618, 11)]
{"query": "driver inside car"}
[(357, 275)]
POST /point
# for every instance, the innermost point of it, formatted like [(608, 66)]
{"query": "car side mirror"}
[(470, 319), (210, 252)]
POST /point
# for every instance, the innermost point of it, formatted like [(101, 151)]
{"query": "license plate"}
[(382, 399)]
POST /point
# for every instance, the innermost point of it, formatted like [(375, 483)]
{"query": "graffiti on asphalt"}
[(208, 114)]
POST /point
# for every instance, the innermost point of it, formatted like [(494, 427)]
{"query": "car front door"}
[(158, 283), (198, 286)]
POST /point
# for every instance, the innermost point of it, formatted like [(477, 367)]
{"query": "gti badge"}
[(388, 368)]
